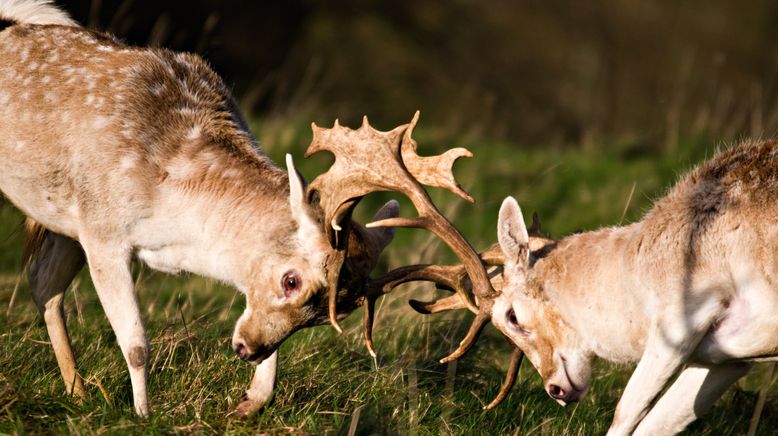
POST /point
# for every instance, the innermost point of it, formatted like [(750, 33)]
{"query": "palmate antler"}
[(454, 278), (367, 160)]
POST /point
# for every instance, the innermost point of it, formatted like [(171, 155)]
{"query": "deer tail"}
[(34, 236)]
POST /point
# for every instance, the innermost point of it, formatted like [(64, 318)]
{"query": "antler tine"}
[(437, 171), (448, 277), (452, 302), (510, 379), (333, 265), (479, 322), (445, 277), (367, 160), (367, 323), (492, 257)]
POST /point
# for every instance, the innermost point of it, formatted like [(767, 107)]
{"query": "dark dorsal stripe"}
[(4, 22)]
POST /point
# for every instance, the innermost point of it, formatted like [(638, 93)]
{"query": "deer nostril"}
[(556, 391), (241, 351)]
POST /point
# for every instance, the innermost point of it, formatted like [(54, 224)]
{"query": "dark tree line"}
[(532, 71)]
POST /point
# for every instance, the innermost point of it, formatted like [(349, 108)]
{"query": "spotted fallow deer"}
[(117, 153), (690, 291)]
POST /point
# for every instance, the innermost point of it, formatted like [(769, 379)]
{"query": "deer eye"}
[(291, 282), (513, 322)]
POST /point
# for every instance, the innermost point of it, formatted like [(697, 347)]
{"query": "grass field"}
[(327, 382)]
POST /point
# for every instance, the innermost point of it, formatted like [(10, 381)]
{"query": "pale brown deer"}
[(117, 153), (690, 291)]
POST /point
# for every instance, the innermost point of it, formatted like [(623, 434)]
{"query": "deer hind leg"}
[(691, 395), (109, 266), (57, 261)]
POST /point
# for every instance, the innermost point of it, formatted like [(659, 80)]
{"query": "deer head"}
[(507, 264), (300, 276), (528, 319)]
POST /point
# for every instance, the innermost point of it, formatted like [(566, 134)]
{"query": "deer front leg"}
[(691, 395), (51, 270), (261, 389), (667, 349), (110, 270)]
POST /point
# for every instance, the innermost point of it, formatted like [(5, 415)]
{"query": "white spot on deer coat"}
[(194, 133), (127, 162), (181, 169), (74, 211), (231, 173), (100, 122)]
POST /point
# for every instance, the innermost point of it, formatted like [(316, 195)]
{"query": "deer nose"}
[(241, 351), (557, 393), (254, 355)]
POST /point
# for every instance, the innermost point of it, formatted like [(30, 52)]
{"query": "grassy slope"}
[(327, 382)]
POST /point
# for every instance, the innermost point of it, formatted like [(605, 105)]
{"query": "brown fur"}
[(693, 283)]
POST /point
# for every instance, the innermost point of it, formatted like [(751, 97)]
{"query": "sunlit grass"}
[(327, 382)]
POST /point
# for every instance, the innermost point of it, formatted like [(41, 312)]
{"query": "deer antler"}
[(510, 378), (367, 160), (492, 256), (453, 278)]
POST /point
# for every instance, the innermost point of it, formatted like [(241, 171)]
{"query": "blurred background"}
[(568, 105), (559, 72), (586, 111)]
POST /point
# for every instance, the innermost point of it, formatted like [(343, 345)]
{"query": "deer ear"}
[(366, 245), (512, 234), (384, 235), (297, 198)]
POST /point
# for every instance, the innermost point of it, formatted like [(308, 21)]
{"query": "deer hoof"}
[(245, 409)]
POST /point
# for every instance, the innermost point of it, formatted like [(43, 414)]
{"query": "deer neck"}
[(590, 279), (218, 227)]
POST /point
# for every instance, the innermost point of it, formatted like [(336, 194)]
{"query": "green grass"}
[(327, 382)]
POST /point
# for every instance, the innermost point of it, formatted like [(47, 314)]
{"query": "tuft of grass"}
[(327, 383)]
